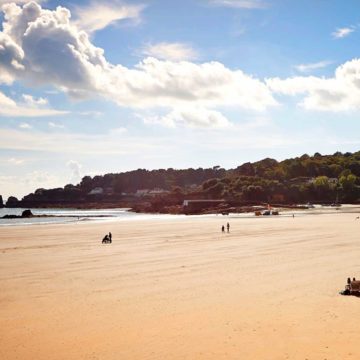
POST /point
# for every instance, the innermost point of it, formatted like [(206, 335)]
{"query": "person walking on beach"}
[(110, 236), (228, 227), (223, 229)]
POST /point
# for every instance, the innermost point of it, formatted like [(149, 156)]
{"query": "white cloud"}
[(119, 130), (55, 125), (12, 185), (342, 32), (305, 68), (51, 51), (67, 143), (3, 2), (243, 4), (33, 102), (75, 168), (170, 51), (99, 15), (191, 117), (338, 93), (19, 2), (29, 108), (174, 84), (91, 113), (25, 126), (22, 184), (15, 161)]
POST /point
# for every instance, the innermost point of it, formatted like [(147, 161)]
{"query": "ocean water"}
[(121, 214), (76, 215)]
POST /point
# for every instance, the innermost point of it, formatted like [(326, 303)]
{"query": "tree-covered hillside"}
[(317, 178)]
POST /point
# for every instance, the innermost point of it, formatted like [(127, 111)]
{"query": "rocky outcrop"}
[(27, 213), (24, 214), (12, 202), (1, 202)]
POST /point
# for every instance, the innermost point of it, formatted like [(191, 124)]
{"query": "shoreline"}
[(126, 215)]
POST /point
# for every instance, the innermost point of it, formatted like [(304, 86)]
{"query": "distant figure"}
[(106, 240), (110, 237), (354, 279), (228, 227), (223, 229), (349, 281), (293, 215)]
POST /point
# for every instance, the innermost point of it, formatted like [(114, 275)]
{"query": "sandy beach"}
[(179, 289)]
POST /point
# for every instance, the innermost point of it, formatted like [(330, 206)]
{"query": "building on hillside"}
[(157, 191), (96, 191), (153, 192), (141, 192)]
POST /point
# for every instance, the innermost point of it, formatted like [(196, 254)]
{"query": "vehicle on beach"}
[(335, 205), (266, 212)]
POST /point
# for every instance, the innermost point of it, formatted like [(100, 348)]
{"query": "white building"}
[(96, 191)]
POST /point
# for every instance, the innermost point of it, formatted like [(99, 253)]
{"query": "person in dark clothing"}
[(110, 237), (106, 239), (228, 227), (223, 229)]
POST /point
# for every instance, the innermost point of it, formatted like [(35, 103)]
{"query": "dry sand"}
[(179, 289)]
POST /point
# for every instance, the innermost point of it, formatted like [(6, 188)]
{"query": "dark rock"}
[(27, 213), (1, 202), (12, 202)]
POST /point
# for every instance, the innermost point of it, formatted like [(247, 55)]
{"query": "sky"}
[(95, 87)]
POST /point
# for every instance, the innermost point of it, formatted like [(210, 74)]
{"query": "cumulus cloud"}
[(305, 68), (30, 107), (192, 117), (75, 168), (170, 51), (34, 102), (243, 4), (338, 93), (342, 32), (25, 126), (43, 47), (97, 16)]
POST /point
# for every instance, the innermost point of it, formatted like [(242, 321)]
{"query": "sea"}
[(58, 216)]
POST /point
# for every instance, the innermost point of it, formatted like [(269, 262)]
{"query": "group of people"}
[(107, 239), (227, 227)]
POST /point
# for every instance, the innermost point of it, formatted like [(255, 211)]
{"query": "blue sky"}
[(93, 87)]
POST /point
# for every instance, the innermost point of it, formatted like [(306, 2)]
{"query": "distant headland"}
[(325, 179)]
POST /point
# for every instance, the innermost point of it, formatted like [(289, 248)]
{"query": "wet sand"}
[(179, 289)]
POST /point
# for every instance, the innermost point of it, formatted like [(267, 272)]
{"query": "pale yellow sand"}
[(181, 290)]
